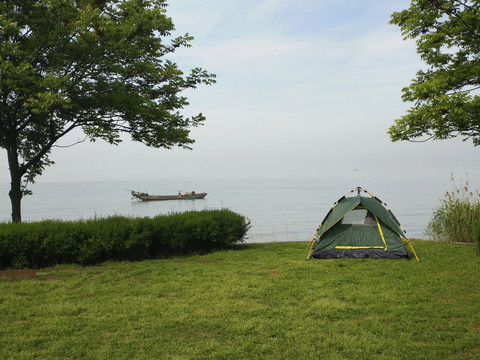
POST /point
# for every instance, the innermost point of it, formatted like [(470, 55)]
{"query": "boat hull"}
[(147, 197)]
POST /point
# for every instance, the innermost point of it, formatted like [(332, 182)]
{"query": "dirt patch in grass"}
[(22, 274), (274, 272), (19, 274)]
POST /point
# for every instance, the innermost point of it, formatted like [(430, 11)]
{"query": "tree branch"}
[(46, 148), (421, 141), (453, 12), (463, 91), (73, 144)]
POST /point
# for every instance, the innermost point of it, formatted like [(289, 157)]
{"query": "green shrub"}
[(197, 231), (92, 241), (454, 219)]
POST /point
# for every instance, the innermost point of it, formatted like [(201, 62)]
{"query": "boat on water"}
[(143, 196)]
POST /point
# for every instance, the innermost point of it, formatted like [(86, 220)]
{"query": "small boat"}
[(185, 196)]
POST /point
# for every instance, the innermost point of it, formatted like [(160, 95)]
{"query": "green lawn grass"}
[(264, 301)]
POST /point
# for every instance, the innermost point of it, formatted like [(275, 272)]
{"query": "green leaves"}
[(98, 65), (445, 96)]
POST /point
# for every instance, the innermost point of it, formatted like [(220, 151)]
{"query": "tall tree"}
[(96, 65), (445, 96)]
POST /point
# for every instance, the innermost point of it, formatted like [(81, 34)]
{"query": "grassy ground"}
[(262, 302)]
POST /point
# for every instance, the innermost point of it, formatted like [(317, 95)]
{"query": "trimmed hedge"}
[(51, 242)]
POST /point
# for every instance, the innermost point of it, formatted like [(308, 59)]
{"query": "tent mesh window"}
[(359, 217)]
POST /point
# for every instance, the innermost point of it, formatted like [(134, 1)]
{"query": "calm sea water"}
[(279, 209)]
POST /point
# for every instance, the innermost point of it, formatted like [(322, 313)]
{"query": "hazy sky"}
[(305, 88)]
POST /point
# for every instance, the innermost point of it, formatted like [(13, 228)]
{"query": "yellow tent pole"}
[(310, 246), (381, 232), (411, 247)]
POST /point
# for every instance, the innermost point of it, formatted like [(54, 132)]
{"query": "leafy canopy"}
[(96, 65), (445, 96)]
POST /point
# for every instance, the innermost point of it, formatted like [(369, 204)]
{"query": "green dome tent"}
[(360, 227)]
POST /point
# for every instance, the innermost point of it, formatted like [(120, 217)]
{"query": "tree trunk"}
[(15, 192)]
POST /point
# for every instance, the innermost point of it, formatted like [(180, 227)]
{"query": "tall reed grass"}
[(456, 218)]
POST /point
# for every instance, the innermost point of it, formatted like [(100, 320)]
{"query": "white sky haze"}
[(305, 88)]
